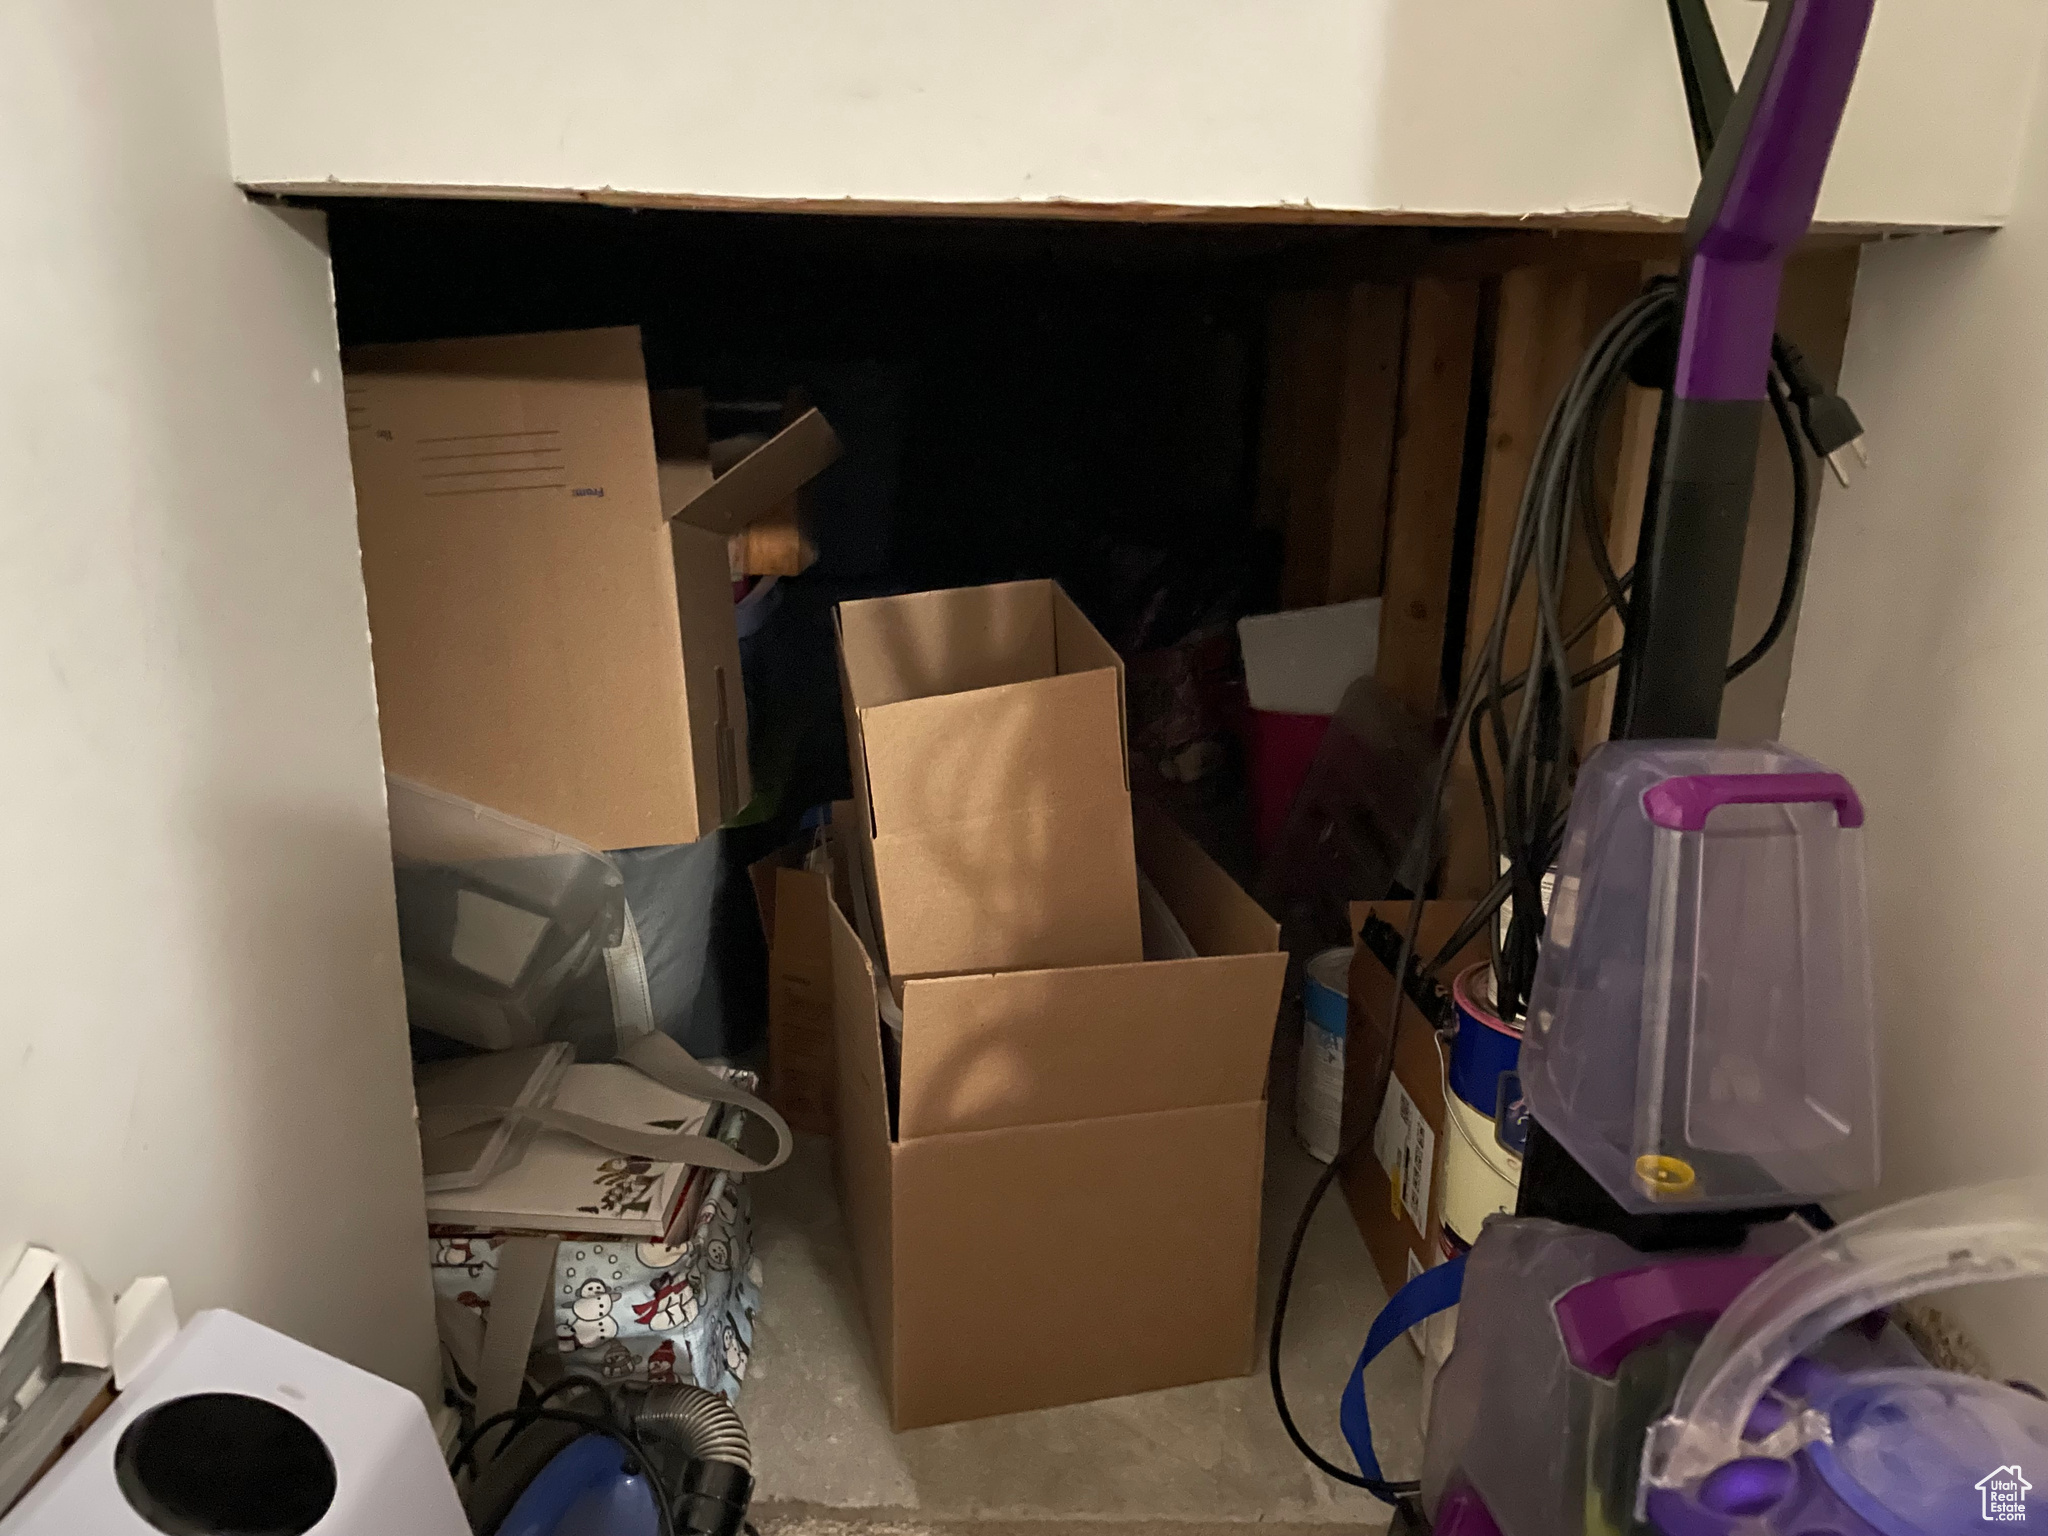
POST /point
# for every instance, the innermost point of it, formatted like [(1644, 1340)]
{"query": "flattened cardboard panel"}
[(1080, 645), (765, 478), (1049, 886), (1039, 1047), (1081, 648), (1220, 919), (519, 581), (948, 641), (802, 1011), (971, 756), (711, 662), (1058, 1264), (862, 1110)]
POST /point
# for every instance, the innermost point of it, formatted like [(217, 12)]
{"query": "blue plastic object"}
[(1485, 1049), (1423, 1296), (585, 1491)]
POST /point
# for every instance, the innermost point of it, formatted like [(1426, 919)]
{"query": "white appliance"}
[(233, 1429)]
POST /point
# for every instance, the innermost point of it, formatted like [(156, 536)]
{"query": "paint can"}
[(1486, 1048), (1319, 1084), (1480, 1175)]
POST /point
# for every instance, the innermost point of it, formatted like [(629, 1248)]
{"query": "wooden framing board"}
[(1545, 319), (1428, 469), (1334, 364), (1631, 485)]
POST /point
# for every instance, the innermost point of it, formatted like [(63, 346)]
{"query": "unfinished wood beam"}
[(1428, 468), (1631, 485), (1545, 320), (1333, 378)]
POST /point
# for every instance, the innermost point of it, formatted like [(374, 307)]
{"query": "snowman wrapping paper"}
[(639, 1314)]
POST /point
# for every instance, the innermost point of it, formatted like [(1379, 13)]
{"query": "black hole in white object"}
[(222, 1464)]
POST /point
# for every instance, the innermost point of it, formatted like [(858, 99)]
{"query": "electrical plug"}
[(1828, 421)]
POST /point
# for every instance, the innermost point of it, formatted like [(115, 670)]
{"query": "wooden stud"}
[(1316, 390), (1286, 324), (1546, 318), (1376, 318), (1429, 457), (1631, 485), (1333, 375)]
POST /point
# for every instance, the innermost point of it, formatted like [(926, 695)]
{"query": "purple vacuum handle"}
[(1756, 202), (1683, 804)]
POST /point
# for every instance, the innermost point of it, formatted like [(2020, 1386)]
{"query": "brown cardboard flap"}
[(765, 478), (711, 663), (1041, 1047), (1054, 1264), (862, 1111), (969, 757), (1081, 648), (941, 900), (1220, 918), (682, 481), (751, 488), (1396, 1239), (802, 1002), (523, 613), (949, 641)]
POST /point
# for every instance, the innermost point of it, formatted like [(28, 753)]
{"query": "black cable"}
[(1525, 813), (1802, 534), (1610, 351)]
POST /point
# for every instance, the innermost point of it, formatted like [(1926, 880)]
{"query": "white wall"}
[(203, 1067), (1922, 673), (1452, 107)]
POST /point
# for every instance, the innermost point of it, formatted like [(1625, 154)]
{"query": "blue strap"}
[(1424, 1296)]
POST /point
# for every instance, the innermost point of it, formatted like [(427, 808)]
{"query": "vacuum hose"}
[(700, 1424), (701, 1448)]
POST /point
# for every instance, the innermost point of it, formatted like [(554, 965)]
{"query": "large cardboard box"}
[(986, 729), (1070, 1209), (550, 606), (1395, 1186)]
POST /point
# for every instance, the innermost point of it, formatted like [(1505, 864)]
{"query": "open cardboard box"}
[(1070, 1209), (1396, 1194), (986, 731), (550, 604)]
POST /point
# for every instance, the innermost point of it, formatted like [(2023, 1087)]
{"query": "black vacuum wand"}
[(1756, 200)]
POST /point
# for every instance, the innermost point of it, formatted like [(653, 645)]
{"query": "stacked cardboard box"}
[(545, 553), (1064, 1204), (1396, 1193), (987, 737)]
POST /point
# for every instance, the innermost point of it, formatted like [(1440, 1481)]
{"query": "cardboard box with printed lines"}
[(551, 616)]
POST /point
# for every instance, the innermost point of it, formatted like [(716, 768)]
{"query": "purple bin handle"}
[(1683, 803), (1604, 1321)]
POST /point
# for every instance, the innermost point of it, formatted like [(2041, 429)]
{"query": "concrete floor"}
[(1166, 1462)]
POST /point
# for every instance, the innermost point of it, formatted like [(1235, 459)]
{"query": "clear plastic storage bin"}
[(497, 918), (1700, 1031)]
